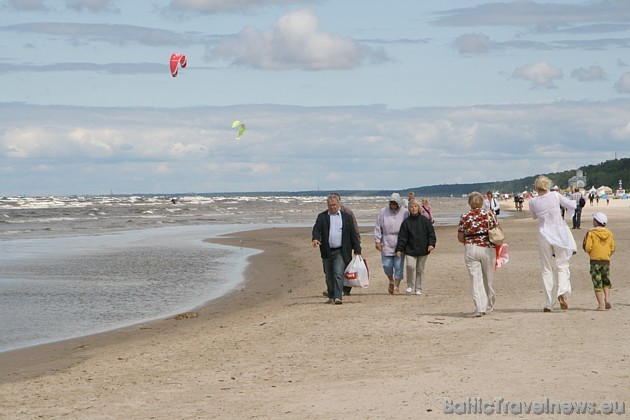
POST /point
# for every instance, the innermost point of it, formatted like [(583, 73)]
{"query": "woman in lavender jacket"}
[(386, 237)]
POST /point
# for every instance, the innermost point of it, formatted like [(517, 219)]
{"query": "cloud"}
[(27, 5), (253, 168), (229, 6), (109, 68), (72, 142), (288, 148), (528, 13), (294, 42), (591, 44), (473, 44), (601, 16), (592, 73), (478, 43), (400, 41), (107, 33), (623, 84), (598, 28), (91, 5), (541, 74), (79, 5), (622, 133)]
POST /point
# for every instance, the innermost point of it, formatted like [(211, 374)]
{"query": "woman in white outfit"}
[(555, 240)]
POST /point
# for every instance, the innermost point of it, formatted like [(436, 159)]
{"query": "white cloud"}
[(623, 84), (589, 74), (163, 169), (289, 148), (541, 74), (294, 42), (235, 168)]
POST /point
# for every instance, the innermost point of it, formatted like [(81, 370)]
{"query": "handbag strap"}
[(491, 218)]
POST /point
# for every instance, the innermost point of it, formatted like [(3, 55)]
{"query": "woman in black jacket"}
[(416, 240)]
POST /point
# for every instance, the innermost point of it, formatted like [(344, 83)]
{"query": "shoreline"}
[(35, 360), (274, 348)]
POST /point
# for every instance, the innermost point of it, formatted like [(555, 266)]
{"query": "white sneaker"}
[(418, 292), (409, 290)]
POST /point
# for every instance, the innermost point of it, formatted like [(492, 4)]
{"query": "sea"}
[(79, 265)]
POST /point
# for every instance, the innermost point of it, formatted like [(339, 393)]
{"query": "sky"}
[(335, 95)]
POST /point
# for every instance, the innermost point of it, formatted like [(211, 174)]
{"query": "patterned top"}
[(475, 225)]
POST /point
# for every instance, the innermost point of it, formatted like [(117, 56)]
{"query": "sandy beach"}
[(274, 349)]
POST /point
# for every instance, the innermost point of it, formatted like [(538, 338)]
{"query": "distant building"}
[(620, 191), (578, 181)]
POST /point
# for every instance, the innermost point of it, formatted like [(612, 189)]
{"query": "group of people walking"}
[(556, 245), (404, 235)]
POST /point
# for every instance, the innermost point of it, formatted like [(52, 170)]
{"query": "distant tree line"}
[(606, 173)]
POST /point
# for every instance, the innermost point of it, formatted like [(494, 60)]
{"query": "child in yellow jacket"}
[(599, 244)]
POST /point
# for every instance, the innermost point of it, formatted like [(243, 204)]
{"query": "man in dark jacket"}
[(336, 237)]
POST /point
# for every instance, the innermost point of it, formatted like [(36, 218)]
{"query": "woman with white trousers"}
[(555, 240)]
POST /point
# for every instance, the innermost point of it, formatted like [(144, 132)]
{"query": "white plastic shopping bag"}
[(357, 274)]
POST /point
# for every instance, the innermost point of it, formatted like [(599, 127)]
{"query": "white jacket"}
[(546, 209)]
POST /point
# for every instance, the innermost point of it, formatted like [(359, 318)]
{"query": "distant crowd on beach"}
[(405, 237)]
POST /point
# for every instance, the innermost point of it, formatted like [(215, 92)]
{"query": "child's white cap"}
[(601, 218)]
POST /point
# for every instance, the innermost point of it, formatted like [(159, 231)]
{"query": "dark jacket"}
[(415, 236), (349, 236)]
